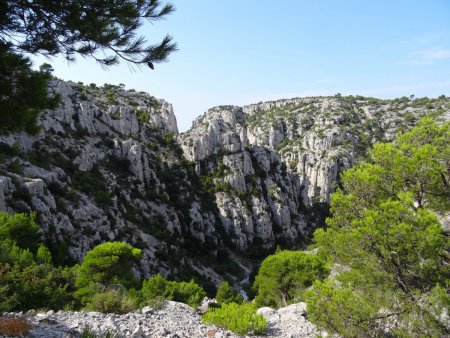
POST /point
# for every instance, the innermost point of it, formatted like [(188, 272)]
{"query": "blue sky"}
[(241, 52)]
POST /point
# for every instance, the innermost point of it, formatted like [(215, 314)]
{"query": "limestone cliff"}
[(109, 164), (271, 164)]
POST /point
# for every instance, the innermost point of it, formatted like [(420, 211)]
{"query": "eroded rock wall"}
[(110, 165)]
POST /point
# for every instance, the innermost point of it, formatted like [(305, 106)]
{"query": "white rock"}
[(266, 312), (138, 333), (147, 309), (5, 187)]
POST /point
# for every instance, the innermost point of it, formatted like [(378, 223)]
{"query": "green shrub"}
[(241, 319), (63, 191), (21, 194), (16, 167), (8, 150), (226, 295), (283, 277), (34, 287), (137, 298), (110, 301), (168, 139), (156, 303), (188, 292), (93, 183), (155, 104), (43, 255), (153, 145), (19, 228), (90, 333), (142, 115), (103, 198), (18, 244), (106, 264), (158, 287), (111, 96), (10, 253)]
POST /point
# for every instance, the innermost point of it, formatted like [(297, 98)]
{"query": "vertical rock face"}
[(109, 165), (257, 198), (271, 163), (92, 173)]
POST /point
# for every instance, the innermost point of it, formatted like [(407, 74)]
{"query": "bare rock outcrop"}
[(110, 165)]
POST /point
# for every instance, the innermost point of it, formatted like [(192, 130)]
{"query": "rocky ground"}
[(174, 320), (289, 322)]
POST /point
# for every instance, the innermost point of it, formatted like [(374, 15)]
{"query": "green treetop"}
[(225, 294), (283, 277), (107, 264), (389, 251)]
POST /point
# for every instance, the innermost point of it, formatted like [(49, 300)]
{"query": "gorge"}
[(110, 165)]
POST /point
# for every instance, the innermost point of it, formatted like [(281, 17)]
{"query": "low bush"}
[(16, 167), (90, 333), (21, 229), (226, 295), (142, 115), (241, 319), (188, 292), (110, 301), (156, 303), (14, 327), (158, 287), (38, 286)]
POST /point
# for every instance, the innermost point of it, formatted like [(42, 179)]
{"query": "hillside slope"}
[(109, 165), (272, 164)]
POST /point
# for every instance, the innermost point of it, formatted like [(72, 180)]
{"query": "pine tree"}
[(23, 93), (389, 251), (283, 277), (102, 30), (84, 27), (225, 294), (106, 264)]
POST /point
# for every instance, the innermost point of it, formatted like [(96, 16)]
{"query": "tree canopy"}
[(84, 27), (106, 264), (20, 229), (23, 92), (225, 294), (28, 280), (103, 30), (284, 276), (389, 251), (159, 287)]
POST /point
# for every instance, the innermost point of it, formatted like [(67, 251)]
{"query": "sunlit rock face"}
[(110, 165), (272, 162)]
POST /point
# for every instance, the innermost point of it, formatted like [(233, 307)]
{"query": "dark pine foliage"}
[(102, 30)]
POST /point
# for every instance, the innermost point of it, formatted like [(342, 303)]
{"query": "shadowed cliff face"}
[(109, 165), (272, 164)]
